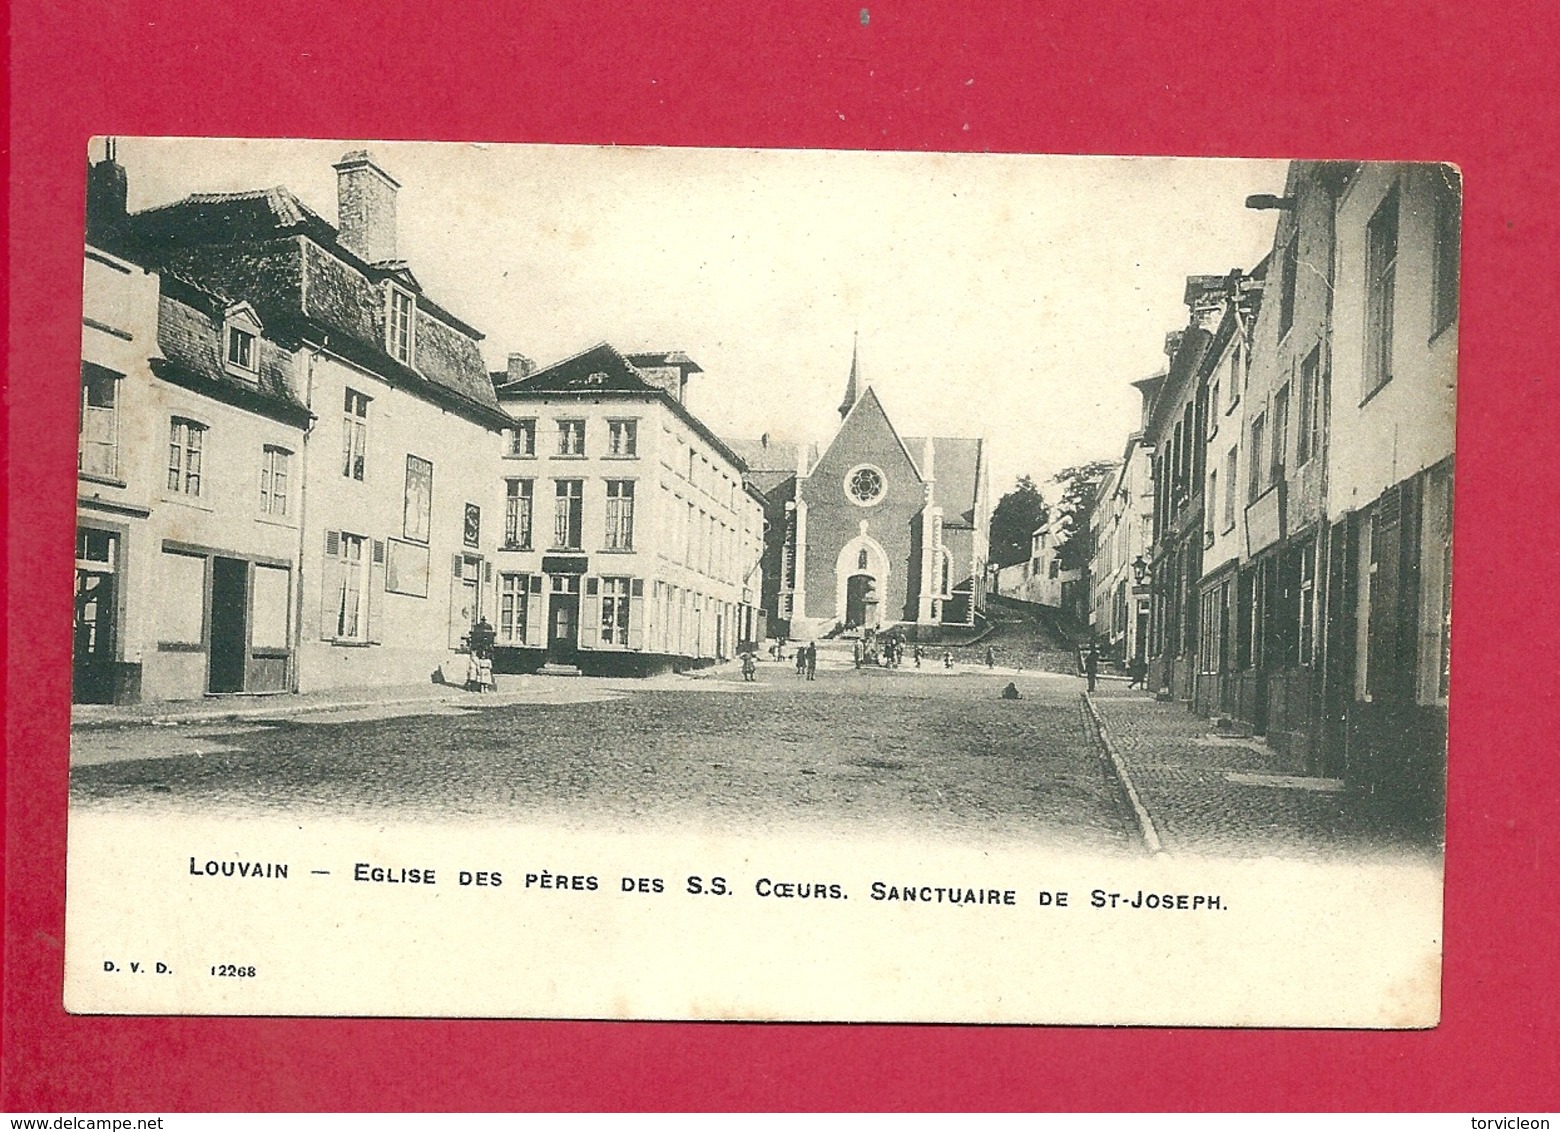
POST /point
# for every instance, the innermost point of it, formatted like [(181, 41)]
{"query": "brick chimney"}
[(519, 368), (365, 207), (108, 190)]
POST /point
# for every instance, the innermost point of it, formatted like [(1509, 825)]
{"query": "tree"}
[(1017, 515), (1071, 529)]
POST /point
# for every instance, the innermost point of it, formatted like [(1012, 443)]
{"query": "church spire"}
[(851, 385)]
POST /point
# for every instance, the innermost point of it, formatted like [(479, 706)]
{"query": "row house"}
[(631, 540), (376, 428), (187, 476), (1388, 486), (1175, 429), (1121, 521), (1313, 604)]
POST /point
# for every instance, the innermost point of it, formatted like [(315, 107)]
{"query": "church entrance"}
[(861, 601)]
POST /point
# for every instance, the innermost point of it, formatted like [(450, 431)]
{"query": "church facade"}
[(884, 530)]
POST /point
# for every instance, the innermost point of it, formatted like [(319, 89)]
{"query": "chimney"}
[(365, 207), (108, 191), (519, 368)]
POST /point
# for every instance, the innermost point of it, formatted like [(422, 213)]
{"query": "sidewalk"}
[(404, 699), (1204, 793)]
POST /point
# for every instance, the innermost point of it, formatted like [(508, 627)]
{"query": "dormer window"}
[(400, 323), (241, 342)]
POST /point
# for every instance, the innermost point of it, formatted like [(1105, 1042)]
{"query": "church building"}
[(883, 529)]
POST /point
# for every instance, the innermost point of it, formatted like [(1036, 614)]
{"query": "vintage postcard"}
[(595, 582)]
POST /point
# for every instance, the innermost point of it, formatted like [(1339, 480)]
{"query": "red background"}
[(1474, 84)]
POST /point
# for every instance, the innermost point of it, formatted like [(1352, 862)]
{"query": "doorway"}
[(96, 610), (229, 625), (563, 619), (861, 601)]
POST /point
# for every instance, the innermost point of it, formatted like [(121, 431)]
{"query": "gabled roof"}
[(603, 371), (868, 402), (599, 368)]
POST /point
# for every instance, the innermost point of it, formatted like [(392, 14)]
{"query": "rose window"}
[(865, 485)]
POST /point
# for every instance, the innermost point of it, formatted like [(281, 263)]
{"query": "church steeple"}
[(852, 390)]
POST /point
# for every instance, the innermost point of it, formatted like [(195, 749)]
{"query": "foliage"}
[(1071, 528), (1016, 517)]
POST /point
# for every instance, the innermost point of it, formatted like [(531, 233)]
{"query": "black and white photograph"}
[(656, 583)]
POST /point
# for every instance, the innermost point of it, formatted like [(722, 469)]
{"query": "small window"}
[(513, 612), (1448, 236), (520, 441), (241, 349), (186, 443), (97, 452), (275, 468), (614, 611), (1280, 433), (1381, 246), (620, 514), (1308, 436), (568, 514), (517, 514), (1286, 296), (571, 438), (400, 324), (354, 436), (1256, 463), (623, 438)]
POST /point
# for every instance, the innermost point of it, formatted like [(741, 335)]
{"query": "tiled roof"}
[(599, 368), (956, 468), (763, 455)]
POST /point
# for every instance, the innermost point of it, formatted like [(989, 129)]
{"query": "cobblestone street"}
[(932, 752)]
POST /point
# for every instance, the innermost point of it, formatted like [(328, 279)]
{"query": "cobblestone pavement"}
[(933, 753), (1218, 795)]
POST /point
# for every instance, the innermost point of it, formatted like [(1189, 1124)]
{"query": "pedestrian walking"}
[(812, 659), (918, 656), (749, 667), (1091, 666), (991, 657), (947, 659), (1138, 671), (801, 660), (855, 649)]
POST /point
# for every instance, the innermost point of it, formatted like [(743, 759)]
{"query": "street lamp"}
[(1140, 568)]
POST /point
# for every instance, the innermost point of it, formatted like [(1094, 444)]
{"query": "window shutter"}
[(535, 613), (487, 573), (636, 615), (457, 629), (374, 601), (330, 585), (590, 615), (455, 567)]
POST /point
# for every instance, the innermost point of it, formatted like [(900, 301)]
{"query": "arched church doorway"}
[(861, 601)]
